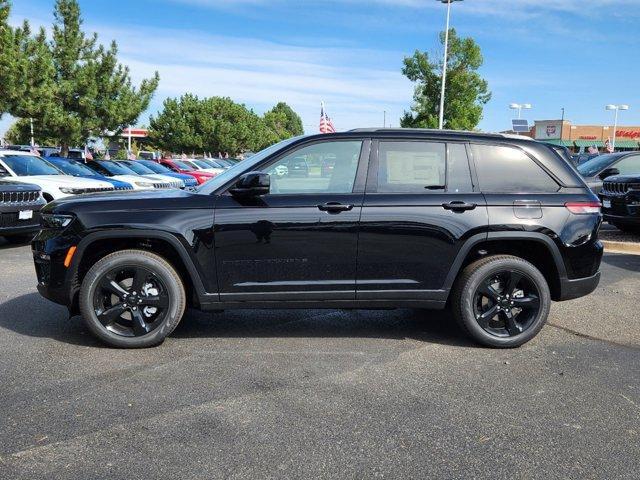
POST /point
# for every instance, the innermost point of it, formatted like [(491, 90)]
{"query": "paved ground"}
[(611, 233), (331, 394)]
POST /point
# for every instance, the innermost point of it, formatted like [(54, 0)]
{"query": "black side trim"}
[(581, 287), (333, 304)]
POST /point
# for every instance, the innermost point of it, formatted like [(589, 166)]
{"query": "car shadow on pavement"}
[(5, 245), (33, 316), (421, 325)]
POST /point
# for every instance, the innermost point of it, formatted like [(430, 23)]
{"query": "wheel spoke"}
[(512, 282), (529, 302), (486, 316), (487, 290), (139, 279), (510, 323), (140, 327), (110, 314), (158, 301), (110, 285)]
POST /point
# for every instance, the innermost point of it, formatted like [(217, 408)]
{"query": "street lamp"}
[(520, 107), (444, 64), (615, 108)]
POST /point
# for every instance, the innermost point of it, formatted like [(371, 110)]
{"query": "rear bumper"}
[(577, 288)]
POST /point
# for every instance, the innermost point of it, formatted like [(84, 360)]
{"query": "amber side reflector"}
[(69, 257)]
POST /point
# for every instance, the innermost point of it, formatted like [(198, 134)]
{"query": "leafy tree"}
[(218, 124), (466, 91), (283, 121), (19, 133), (70, 85)]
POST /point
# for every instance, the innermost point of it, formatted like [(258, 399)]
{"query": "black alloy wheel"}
[(130, 301), (501, 301), (506, 303)]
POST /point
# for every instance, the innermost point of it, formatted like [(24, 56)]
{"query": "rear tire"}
[(132, 299), (501, 301)]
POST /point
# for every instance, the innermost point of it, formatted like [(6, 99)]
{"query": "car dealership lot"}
[(321, 393)]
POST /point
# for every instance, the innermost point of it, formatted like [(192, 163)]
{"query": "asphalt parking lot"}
[(329, 394)]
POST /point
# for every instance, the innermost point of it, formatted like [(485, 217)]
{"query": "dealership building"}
[(577, 137)]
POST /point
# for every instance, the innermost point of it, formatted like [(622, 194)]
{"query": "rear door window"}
[(422, 167), (503, 169)]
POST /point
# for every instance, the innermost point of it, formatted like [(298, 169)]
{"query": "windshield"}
[(139, 168), (115, 168), (74, 167), (202, 164), (28, 165), (219, 180), (182, 165), (156, 167), (594, 166)]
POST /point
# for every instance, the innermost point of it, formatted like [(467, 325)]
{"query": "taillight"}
[(583, 208)]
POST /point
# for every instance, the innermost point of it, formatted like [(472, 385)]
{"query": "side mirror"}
[(609, 172), (252, 184)]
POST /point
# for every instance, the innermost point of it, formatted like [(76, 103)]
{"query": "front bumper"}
[(570, 289), (623, 220)]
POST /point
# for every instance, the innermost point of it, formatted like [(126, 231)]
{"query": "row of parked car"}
[(29, 181)]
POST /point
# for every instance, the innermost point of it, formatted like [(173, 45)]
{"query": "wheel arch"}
[(537, 248), (98, 244)]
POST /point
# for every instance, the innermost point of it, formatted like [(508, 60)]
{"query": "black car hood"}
[(130, 200), (7, 186), (634, 178)]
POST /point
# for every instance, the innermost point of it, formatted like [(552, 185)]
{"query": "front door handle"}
[(335, 207), (459, 206)]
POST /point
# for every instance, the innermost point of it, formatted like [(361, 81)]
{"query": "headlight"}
[(69, 190), (50, 220), (144, 184)]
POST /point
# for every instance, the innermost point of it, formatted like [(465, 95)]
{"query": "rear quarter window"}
[(503, 169)]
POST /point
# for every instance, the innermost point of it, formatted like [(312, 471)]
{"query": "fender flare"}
[(171, 239), (497, 236)]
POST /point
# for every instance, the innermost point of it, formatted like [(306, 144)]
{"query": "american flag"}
[(87, 153), (326, 125)]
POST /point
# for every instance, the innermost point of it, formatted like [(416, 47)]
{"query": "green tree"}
[(19, 133), (466, 91), (71, 86), (218, 124), (283, 121)]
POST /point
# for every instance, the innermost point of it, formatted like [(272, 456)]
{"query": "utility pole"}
[(444, 63)]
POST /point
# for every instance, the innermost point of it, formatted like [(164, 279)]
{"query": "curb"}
[(621, 247)]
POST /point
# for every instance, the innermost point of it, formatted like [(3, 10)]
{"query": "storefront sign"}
[(628, 133), (547, 130)]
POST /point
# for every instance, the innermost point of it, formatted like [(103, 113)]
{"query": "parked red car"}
[(181, 167)]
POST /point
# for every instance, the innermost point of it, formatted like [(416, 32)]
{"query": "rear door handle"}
[(335, 207), (459, 206)]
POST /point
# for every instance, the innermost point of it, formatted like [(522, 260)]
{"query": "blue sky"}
[(576, 54)]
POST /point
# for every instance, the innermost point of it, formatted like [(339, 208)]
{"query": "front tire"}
[(501, 301), (132, 299)]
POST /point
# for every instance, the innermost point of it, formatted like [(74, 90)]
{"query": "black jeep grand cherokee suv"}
[(495, 227)]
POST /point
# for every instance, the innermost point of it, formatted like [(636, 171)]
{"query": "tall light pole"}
[(444, 63), (519, 107), (615, 108)]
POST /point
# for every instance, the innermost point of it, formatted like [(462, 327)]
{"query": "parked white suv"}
[(119, 171), (30, 168)]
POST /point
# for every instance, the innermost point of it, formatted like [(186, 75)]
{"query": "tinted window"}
[(73, 167), (29, 165), (156, 167), (509, 170), (629, 165), (139, 168), (594, 166), (410, 167), (301, 171)]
